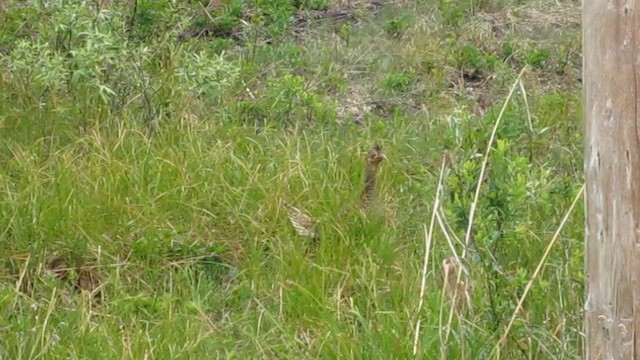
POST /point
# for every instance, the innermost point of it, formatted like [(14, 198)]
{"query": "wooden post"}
[(611, 45)]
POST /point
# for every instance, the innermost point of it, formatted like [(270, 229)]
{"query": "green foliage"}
[(397, 26), (509, 48), (181, 219), (454, 12), (311, 4), (397, 82), (287, 101), (538, 57), (470, 57), (151, 18), (87, 61), (275, 15)]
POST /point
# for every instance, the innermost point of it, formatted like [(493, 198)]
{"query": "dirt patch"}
[(302, 19), (353, 106), (339, 12), (528, 19)]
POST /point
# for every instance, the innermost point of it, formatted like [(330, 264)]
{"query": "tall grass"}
[(160, 166)]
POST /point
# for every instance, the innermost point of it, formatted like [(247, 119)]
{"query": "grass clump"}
[(147, 152)]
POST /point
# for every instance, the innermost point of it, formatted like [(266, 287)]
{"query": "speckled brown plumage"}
[(458, 291), (374, 158), (306, 226)]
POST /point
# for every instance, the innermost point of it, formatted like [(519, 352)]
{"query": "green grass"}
[(184, 224)]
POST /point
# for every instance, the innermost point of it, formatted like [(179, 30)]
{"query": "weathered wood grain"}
[(611, 35)]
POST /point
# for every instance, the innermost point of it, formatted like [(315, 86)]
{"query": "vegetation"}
[(148, 148)]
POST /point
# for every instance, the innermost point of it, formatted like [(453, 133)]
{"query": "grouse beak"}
[(384, 157)]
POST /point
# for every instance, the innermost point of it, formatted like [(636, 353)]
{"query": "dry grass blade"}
[(543, 261), (456, 286), (459, 291), (476, 197), (485, 160), (526, 106), (446, 160)]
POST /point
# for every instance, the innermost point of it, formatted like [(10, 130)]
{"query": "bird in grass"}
[(306, 226), (374, 158), (459, 291)]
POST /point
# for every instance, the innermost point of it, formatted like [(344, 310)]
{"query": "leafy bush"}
[(96, 65)]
